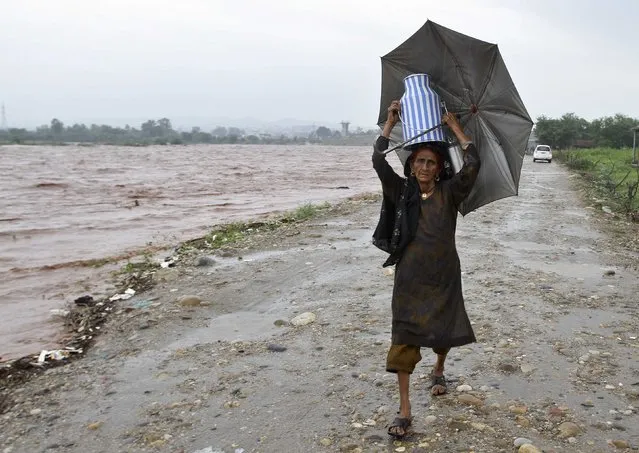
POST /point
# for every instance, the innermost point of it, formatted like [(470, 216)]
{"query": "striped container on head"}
[(421, 110)]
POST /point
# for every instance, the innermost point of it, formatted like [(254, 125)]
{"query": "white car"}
[(542, 152)]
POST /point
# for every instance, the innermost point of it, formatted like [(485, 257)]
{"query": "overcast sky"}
[(200, 61)]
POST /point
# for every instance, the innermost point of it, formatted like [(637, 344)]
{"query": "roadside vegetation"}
[(609, 175)]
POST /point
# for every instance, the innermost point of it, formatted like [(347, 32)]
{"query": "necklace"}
[(426, 195)]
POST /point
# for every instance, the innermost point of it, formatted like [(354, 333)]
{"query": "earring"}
[(437, 178), (412, 173)]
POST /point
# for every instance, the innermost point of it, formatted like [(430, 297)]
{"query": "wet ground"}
[(552, 296)]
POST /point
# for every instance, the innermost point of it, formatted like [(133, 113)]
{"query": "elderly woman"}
[(417, 227)]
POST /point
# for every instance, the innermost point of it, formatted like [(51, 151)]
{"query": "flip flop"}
[(402, 423), (438, 380)]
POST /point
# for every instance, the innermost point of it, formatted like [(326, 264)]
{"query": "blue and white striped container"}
[(421, 110)]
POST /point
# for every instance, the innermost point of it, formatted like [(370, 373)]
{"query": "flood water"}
[(63, 205)]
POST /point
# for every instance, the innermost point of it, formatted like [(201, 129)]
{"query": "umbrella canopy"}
[(471, 78)]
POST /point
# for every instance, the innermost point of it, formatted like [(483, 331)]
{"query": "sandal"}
[(440, 381), (403, 423)]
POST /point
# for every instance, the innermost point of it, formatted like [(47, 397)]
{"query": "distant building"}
[(345, 125)]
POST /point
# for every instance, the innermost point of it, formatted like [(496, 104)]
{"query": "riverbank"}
[(224, 355)]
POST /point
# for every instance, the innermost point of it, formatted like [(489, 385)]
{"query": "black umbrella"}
[(472, 80)]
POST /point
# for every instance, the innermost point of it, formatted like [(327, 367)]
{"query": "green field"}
[(610, 175)]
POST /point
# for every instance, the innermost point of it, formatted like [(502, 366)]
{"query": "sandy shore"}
[(551, 291)]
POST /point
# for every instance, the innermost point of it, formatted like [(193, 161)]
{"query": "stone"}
[(521, 441), (95, 425), (522, 421), (304, 319), (430, 419), (326, 442), (469, 399), (508, 367), (527, 369), (275, 347), (568, 429), (464, 388), (528, 448), (519, 410), (280, 323), (189, 301), (610, 387), (205, 261), (35, 411), (167, 275), (588, 403), (620, 444), (610, 272)]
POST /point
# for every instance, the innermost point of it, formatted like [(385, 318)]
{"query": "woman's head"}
[(425, 163)]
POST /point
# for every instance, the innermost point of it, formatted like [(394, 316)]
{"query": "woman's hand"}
[(392, 119), (451, 120), (393, 113)]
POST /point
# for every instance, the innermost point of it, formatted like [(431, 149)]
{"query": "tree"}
[(219, 132), (323, 132), (57, 126)]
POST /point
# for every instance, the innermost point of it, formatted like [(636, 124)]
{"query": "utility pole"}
[(3, 120)]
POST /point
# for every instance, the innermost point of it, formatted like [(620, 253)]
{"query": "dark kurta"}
[(428, 305)]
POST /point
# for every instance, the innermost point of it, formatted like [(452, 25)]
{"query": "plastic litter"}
[(168, 262), (59, 312), (129, 293), (57, 354)]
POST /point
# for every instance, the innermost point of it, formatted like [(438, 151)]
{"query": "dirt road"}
[(553, 301)]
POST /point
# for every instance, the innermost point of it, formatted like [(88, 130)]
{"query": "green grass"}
[(233, 233), (609, 173)]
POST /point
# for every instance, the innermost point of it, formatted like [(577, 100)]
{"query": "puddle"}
[(237, 326)]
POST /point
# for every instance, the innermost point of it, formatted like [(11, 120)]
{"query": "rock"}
[(351, 448), (189, 301), (469, 399), (528, 448), (588, 403), (527, 369), (400, 449), (620, 444), (430, 419), (304, 319), (281, 323), (519, 410), (508, 367), (157, 443), (457, 425), (275, 347), (95, 425), (326, 442), (522, 421), (389, 271), (357, 425), (606, 209), (610, 387), (568, 429), (208, 450), (370, 422), (167, 275), (374, 439), (572, 440), (521, 441), (610, 272), (464, 388), (35, 411), (205, 261)]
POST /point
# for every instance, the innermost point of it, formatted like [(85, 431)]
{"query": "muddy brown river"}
[(64, 205)]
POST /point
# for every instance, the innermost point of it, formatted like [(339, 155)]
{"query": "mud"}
[(556, 360)]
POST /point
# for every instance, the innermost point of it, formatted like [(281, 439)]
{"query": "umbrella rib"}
[(452, 55)]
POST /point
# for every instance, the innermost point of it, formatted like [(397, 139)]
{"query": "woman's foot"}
[(402, 422), (438, 382), (400, 427)]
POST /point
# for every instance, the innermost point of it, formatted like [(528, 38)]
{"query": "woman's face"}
[(425, 165)]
